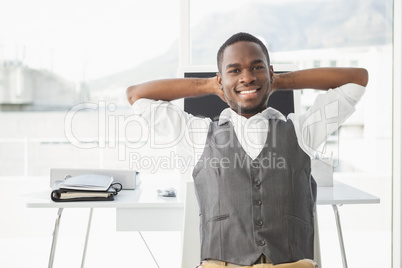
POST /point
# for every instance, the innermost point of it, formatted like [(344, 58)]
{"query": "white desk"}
[(342, 194), (143, 210), (140, 210)]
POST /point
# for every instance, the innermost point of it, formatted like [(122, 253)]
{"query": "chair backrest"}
[(191, 235), (211, 105)]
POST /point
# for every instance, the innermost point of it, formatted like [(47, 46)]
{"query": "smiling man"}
[(247, 76), (254, 188)]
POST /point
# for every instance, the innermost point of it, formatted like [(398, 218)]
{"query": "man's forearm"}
[(320, 78), (171, 89)]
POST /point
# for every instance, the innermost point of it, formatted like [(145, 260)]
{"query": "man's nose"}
[(247, 77)]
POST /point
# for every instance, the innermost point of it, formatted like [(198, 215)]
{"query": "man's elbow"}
[(131, 95), (363, 77)]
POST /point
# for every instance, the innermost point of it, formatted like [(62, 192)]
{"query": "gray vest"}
[(253, 207)]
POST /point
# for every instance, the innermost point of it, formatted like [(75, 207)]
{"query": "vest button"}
[(257, 183), (257, 202), (261, 243), (255, 164), (259, 222)]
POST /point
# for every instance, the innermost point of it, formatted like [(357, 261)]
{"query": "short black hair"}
[(239, 37)]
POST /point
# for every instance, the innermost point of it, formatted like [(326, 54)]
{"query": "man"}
[(252, 167)]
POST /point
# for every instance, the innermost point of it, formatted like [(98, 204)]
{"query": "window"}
[(58, 55), (55, 55)]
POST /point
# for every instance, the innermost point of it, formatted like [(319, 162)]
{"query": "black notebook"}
[(86, 187)]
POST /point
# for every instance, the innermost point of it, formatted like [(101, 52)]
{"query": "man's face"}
[(245, 78)]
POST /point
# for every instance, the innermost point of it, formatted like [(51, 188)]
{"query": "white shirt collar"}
[(229, 115)]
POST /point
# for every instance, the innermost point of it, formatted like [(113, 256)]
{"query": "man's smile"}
[(248, 90)]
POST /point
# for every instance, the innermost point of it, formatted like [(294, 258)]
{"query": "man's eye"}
[(234, 71), (258, 67)]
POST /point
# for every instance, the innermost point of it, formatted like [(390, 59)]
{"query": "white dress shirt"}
[(173, 129)]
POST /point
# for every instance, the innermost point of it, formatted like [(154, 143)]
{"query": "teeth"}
[(248, 91)]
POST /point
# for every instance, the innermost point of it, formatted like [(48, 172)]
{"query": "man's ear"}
[(271, 74), (220, 92), (219, 79)]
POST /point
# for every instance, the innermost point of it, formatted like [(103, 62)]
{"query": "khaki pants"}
[(298, 264)]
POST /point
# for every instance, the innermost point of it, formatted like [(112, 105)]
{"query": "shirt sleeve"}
[(326, 115), (167, 127)]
